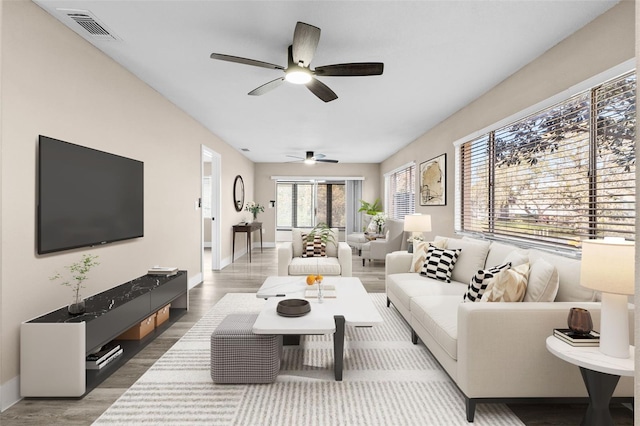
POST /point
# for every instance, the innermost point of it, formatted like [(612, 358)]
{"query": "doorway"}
[(210, 211)]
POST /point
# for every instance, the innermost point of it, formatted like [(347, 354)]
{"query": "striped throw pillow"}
[(480, 280), (313, 248), (440, 263)]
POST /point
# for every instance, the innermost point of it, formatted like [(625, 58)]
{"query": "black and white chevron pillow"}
[(440, 263), (480, 280)]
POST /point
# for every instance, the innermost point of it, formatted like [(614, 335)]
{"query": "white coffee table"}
[(351, 306)]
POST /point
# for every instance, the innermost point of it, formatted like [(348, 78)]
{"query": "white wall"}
[(602, 44), (57, 84)]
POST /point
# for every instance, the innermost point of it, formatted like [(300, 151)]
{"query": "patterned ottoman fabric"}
[(239, 356)]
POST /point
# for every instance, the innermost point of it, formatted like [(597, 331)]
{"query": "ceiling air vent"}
[(89, 23)]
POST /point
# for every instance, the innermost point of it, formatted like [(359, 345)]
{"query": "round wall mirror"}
[(238, 193)]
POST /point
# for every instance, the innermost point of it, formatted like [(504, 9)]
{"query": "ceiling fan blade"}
[(351, 70), (267, 87), (326, 160), (321, 90), (295, 156), (245, 61), (305, 42)]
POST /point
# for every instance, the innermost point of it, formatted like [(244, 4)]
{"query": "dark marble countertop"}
[(108, 300)]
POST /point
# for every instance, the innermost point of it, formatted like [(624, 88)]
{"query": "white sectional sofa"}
[(496, 352)]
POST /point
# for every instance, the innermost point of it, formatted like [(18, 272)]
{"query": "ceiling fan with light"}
[(301, 52), (311, 158)]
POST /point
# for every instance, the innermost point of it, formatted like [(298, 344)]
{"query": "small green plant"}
[(324, 232), (78, 274), (370, 208)]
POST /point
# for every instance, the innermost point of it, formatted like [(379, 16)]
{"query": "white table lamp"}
[(417, 223), (608, 266)]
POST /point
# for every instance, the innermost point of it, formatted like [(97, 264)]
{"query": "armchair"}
[(336, 262), (378, 249)]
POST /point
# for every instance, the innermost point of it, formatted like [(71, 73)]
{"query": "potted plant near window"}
[(324, 232), (78, 272)]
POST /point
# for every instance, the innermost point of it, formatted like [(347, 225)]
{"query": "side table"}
[(600, 373), (248, 228)]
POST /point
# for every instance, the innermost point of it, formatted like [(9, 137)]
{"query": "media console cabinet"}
[(54, 347)]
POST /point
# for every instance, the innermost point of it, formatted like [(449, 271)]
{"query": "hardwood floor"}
[(239, 277)]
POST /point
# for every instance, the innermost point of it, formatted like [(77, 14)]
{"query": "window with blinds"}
[(558, 176), (401, 195)]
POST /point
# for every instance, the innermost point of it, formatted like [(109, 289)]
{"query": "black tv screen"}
[(86, 197)]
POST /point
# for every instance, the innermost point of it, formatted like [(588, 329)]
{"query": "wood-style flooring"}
[(239, 277)]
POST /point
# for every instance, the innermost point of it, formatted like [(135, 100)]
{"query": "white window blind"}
[(558, 176), (401, 196)]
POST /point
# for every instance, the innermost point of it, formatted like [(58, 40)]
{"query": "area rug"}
[(387, 381)]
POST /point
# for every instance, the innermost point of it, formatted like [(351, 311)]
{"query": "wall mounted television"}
[(86, 197)]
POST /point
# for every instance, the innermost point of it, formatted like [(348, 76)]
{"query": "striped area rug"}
[(387, 381)]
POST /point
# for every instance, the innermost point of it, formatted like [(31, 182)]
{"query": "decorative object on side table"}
[(78, 272), (379, 219), (254, 208), (416, 224), (579, 321), (608, 266), (592, 338), (433, 181)]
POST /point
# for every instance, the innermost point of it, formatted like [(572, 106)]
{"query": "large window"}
[(561, 175), (400, 192), (305, 204)]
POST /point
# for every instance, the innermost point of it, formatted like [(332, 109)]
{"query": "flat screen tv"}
[(86, 197)]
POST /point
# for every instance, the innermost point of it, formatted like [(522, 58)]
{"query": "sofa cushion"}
[(314, 265), (439, 263), (420, 253), (439, 316), (508, 285), (543, 282), (480, 280), (472, 258), (498, 253), (408, 285)]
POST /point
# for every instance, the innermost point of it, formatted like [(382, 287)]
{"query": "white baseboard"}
[(207, 244), (10, 393), (194, 281)]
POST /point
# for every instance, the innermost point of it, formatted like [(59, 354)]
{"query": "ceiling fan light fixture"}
[(298, 76), (309, 161)]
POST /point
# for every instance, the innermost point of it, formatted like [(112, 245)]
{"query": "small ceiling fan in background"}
[(310, 158), (301, 52)]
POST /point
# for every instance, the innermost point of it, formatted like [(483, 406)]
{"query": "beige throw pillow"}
[(420, 253), (543, 282), (509, 285)]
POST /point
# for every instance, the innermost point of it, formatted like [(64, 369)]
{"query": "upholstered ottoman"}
[(239, 356)]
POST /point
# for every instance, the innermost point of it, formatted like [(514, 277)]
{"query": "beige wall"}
[(602, 44), (265, 187), (56, 84)]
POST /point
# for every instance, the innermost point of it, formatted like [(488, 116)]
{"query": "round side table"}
[(600, 373)]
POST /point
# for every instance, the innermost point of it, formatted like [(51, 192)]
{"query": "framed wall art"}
[(433, 181)]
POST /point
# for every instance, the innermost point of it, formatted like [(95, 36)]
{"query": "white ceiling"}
[(438, 55)]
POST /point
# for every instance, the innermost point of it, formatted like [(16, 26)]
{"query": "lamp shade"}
[(417, 223), (608, 266)]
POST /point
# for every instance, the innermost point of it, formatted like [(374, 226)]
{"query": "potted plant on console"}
[(254, 208), (78, 274)]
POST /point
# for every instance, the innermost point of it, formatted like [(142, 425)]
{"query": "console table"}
[(54, 347), (248, 228)]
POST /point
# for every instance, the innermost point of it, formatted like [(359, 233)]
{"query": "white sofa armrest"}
[(345, 259), (397, 263), (285, 254), (502, 350)]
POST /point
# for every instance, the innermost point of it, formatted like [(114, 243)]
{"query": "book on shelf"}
[(93, 365), (104, 352), (577, 339), (163, 270)]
